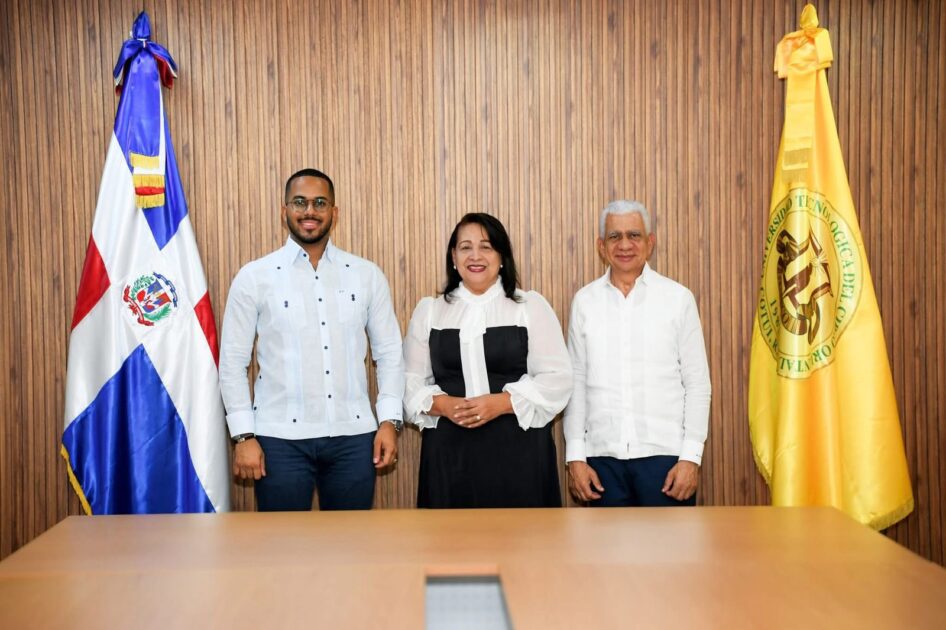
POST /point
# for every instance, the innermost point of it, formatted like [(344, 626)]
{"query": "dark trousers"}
[(635, 482), (340, 467)]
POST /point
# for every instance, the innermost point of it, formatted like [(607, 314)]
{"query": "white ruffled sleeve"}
[(420, 388), (544, 391)]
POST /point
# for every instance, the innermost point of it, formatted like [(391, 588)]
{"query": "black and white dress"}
[(482, 344)]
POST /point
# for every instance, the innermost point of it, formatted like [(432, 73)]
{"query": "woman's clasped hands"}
[(471, 413)]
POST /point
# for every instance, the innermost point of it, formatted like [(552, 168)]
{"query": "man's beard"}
[(313, 237)]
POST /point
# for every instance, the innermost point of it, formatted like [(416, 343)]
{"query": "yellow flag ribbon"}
[(798, 57)]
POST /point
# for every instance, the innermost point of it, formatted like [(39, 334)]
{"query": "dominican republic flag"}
[(145, 429)]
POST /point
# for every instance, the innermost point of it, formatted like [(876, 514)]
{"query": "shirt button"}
[(357, 417), (329, 395), (293, 419), (326, 371), (320, 299), (325, 347), (323, 323)]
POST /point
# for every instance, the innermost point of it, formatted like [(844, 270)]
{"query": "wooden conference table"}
[(755, 567)]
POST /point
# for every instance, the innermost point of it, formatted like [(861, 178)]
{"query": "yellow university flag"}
[(822, 410)]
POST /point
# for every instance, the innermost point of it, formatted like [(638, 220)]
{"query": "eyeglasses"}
[(301, 204)]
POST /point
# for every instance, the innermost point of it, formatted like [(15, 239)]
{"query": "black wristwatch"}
[(243, 437), (398, 424)]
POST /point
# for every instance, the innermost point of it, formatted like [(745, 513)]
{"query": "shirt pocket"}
[(599, 365), (349, 305), (286, 312), (659, 341), (359, 411), (664, 431), (601, 430)]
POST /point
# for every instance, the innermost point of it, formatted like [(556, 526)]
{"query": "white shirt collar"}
[(491, 293), (647, 275), (293, 251)]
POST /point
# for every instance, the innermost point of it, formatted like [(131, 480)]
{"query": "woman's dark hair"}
[(498, 238)]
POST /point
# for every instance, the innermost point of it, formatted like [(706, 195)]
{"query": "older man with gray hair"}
[(639, 413)]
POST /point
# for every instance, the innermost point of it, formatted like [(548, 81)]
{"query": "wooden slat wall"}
[(539, 112)]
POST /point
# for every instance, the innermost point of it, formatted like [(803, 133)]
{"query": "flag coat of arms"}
[(144, 422), (822, 410)]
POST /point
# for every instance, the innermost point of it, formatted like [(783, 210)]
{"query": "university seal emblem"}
[(151, 298), (811, 282)]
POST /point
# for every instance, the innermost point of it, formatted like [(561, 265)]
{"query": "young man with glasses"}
[(308, 307)]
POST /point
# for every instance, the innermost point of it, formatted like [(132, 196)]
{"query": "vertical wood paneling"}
[(10, 392), (934, 365), (537, 111)]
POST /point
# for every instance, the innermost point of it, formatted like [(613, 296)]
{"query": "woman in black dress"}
[(487, 371)]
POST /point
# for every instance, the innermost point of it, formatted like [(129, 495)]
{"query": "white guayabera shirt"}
[(311, 326), (642, 385)]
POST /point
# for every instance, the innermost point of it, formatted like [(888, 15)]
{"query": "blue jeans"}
[(635, 482), (340, 467)]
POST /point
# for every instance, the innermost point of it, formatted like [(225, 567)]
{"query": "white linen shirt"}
[(536, 397), (642, 383), (311, 346)]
